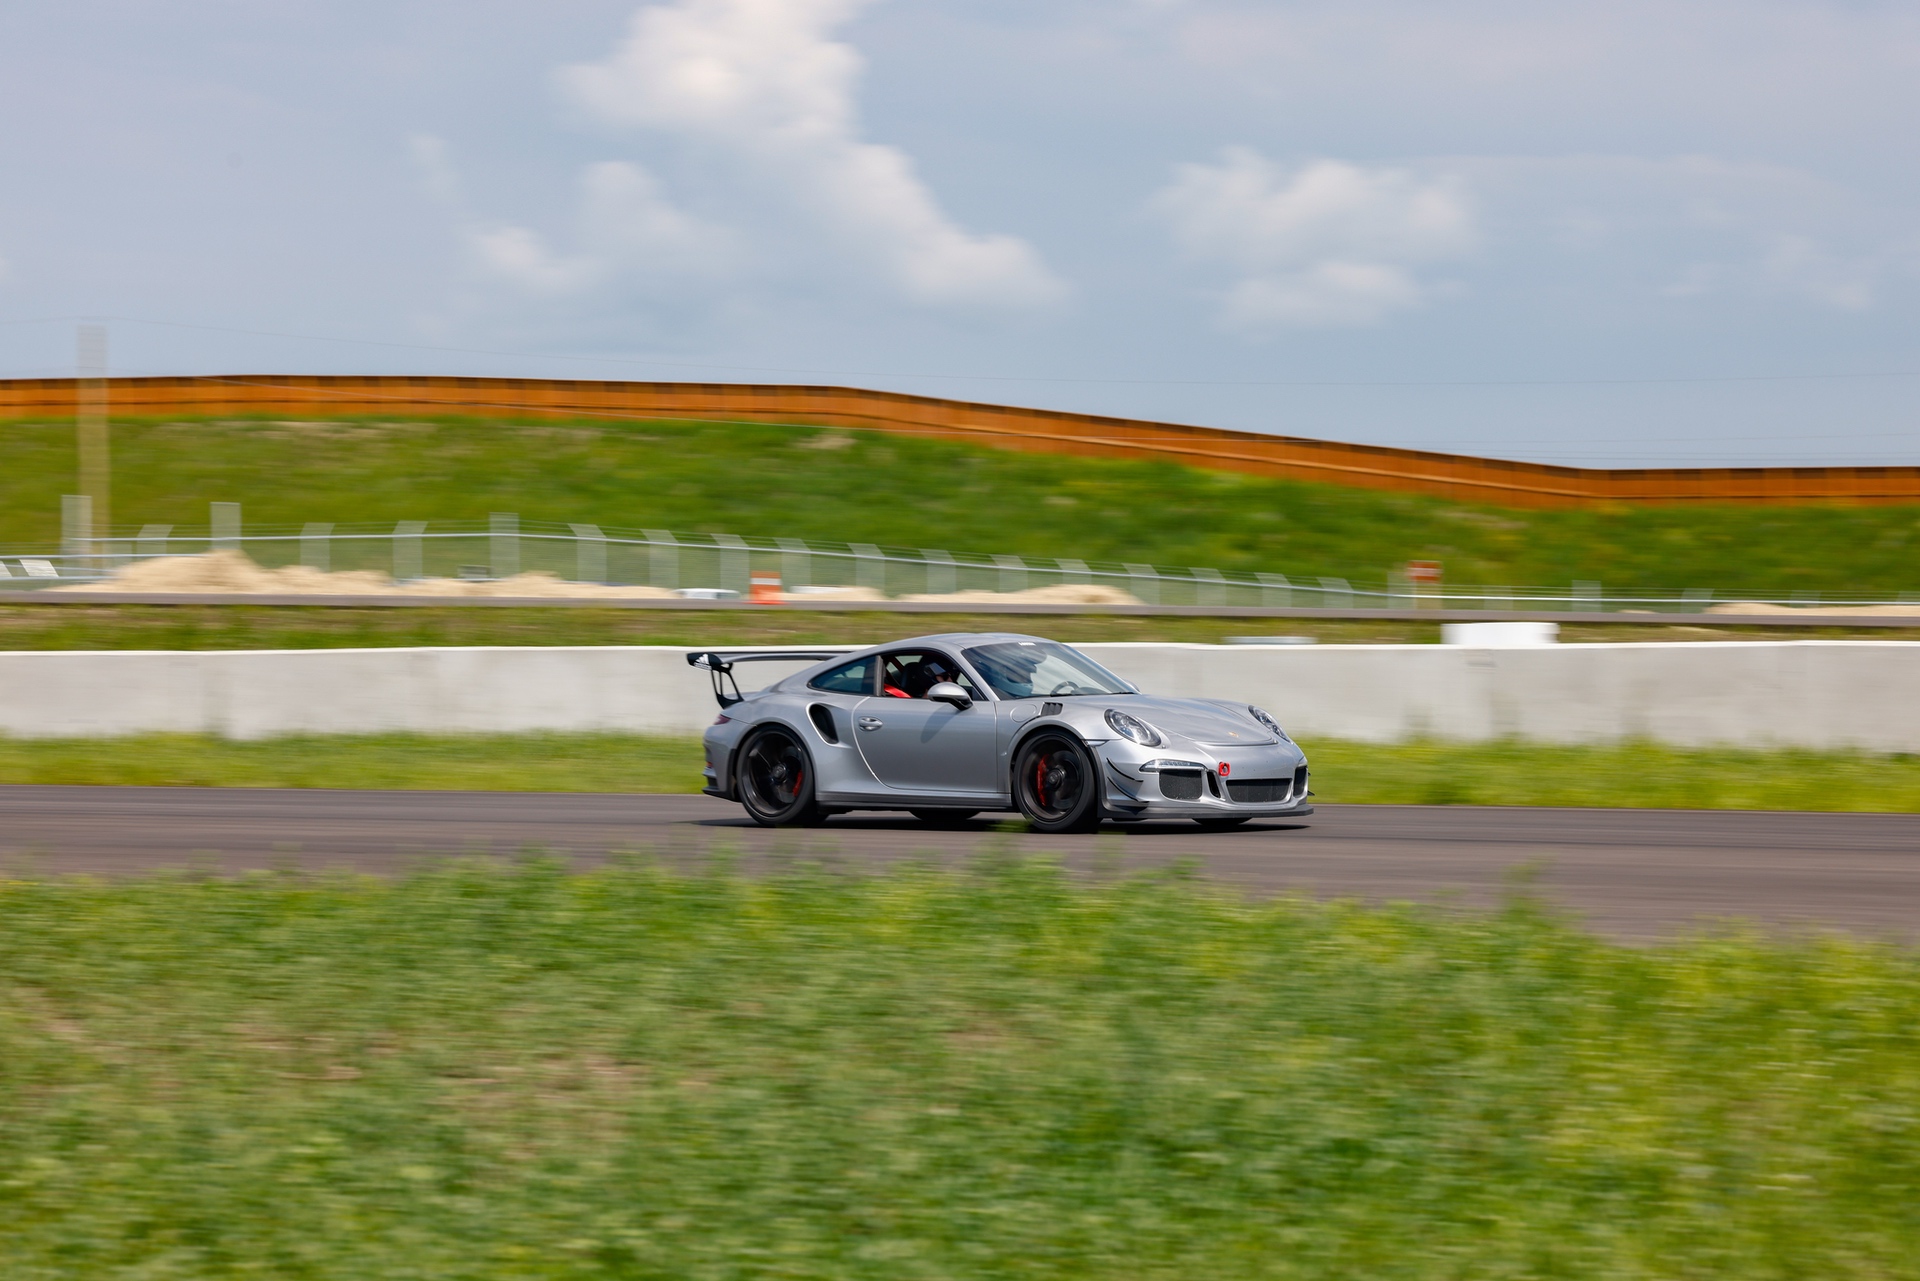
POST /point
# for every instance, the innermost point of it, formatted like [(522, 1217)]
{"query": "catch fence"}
[(724, 566)]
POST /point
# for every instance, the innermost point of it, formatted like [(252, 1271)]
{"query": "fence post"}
[(1586, 596), (223, 526), (943, 575), (1336, 593), (796, 564), (736, 563), (152, 540), (1210, 587), (590, 554), (91, 428), (503, 548), (316, 545), (76, 524), (870, 566), (1145, 582), (1276, 591), (1013, 573), (663, 558), (407, 559)]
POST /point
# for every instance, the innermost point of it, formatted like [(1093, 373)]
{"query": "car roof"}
[(946, 640), (954, 640)]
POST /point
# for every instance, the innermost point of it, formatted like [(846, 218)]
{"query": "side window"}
[(848, 678), (910, 673)]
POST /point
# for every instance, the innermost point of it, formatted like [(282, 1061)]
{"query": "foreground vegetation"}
[(516, 1072), (795, 481), (1429, 773)]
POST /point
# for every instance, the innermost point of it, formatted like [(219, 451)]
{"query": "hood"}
[(1222, 726)]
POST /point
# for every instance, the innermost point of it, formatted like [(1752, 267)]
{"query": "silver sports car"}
[(948, 726)]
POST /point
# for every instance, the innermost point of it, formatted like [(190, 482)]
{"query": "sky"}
[(1683, 232)]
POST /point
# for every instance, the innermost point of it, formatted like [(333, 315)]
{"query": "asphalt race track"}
[(1630, 873)]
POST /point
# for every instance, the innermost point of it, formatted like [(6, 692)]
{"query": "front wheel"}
[(776, 781), (1056, 784)]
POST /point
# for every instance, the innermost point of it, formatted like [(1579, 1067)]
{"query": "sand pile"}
[(1760, 607), (832, 593), (234, 573), (1058, 594)]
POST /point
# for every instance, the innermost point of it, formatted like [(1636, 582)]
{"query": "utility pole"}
[(90, 422)]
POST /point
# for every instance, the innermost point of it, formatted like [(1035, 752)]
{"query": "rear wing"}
[(718, 664)]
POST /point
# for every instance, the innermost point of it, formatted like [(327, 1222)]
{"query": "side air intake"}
[(822, 717)]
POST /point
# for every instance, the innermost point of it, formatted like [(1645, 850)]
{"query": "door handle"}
[(871, 722)]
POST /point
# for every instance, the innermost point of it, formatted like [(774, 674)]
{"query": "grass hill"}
[(817, 483)]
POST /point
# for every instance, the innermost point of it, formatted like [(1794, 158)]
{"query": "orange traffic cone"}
[(764, 588)]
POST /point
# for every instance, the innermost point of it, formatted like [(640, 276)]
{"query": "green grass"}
[(534, 762), (1634, 775), (44, 627), (1431, 773), (492, 1071), (772, 481), (186, 627)]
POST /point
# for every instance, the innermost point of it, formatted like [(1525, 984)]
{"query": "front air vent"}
[(1259, 791), (1180, 784), (1051, 709), (822, 717)]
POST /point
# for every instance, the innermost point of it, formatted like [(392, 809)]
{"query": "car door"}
[(834, 698), (913, 744)]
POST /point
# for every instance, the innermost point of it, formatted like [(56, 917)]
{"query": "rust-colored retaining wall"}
[(1459, 476)]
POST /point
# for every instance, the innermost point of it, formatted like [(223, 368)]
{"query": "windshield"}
[(1031, 669)]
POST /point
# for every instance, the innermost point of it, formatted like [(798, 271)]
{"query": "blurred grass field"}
[(813, 483), (200, 627), (493, 1071), (1421, 773)]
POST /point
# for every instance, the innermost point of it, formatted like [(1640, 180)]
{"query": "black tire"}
[(1222, 824), (1056, 783), (775, 779), (943, 818)]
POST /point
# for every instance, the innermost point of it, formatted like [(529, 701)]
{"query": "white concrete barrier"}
[(1810, 693)]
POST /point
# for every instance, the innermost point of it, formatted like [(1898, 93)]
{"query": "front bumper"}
[(1271, 781)]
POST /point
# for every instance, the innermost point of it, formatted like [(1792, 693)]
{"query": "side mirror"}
[(951, 694)]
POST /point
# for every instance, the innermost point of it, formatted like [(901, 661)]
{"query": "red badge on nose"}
[(1225, 769)]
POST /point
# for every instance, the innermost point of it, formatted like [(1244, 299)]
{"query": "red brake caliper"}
[(1040, 781)]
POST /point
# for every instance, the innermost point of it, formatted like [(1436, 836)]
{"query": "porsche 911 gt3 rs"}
[(953, 725)]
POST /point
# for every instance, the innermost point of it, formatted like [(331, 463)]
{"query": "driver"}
[(1008, 670), (913, 675)]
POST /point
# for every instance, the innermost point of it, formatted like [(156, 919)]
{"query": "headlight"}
[(1132, 727), (1269, 722)]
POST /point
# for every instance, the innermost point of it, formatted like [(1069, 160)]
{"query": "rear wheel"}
[(943, 818), (776, 781), (1056, 785)]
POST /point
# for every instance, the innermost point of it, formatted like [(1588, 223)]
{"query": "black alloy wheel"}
[(1056, 784), (776, 780), (944, 818), (1222, 824)]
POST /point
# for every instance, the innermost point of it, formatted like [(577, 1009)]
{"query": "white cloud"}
[(1704, 225), (761, 80), (1332, 244), (1799, 265), (628, 231)]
